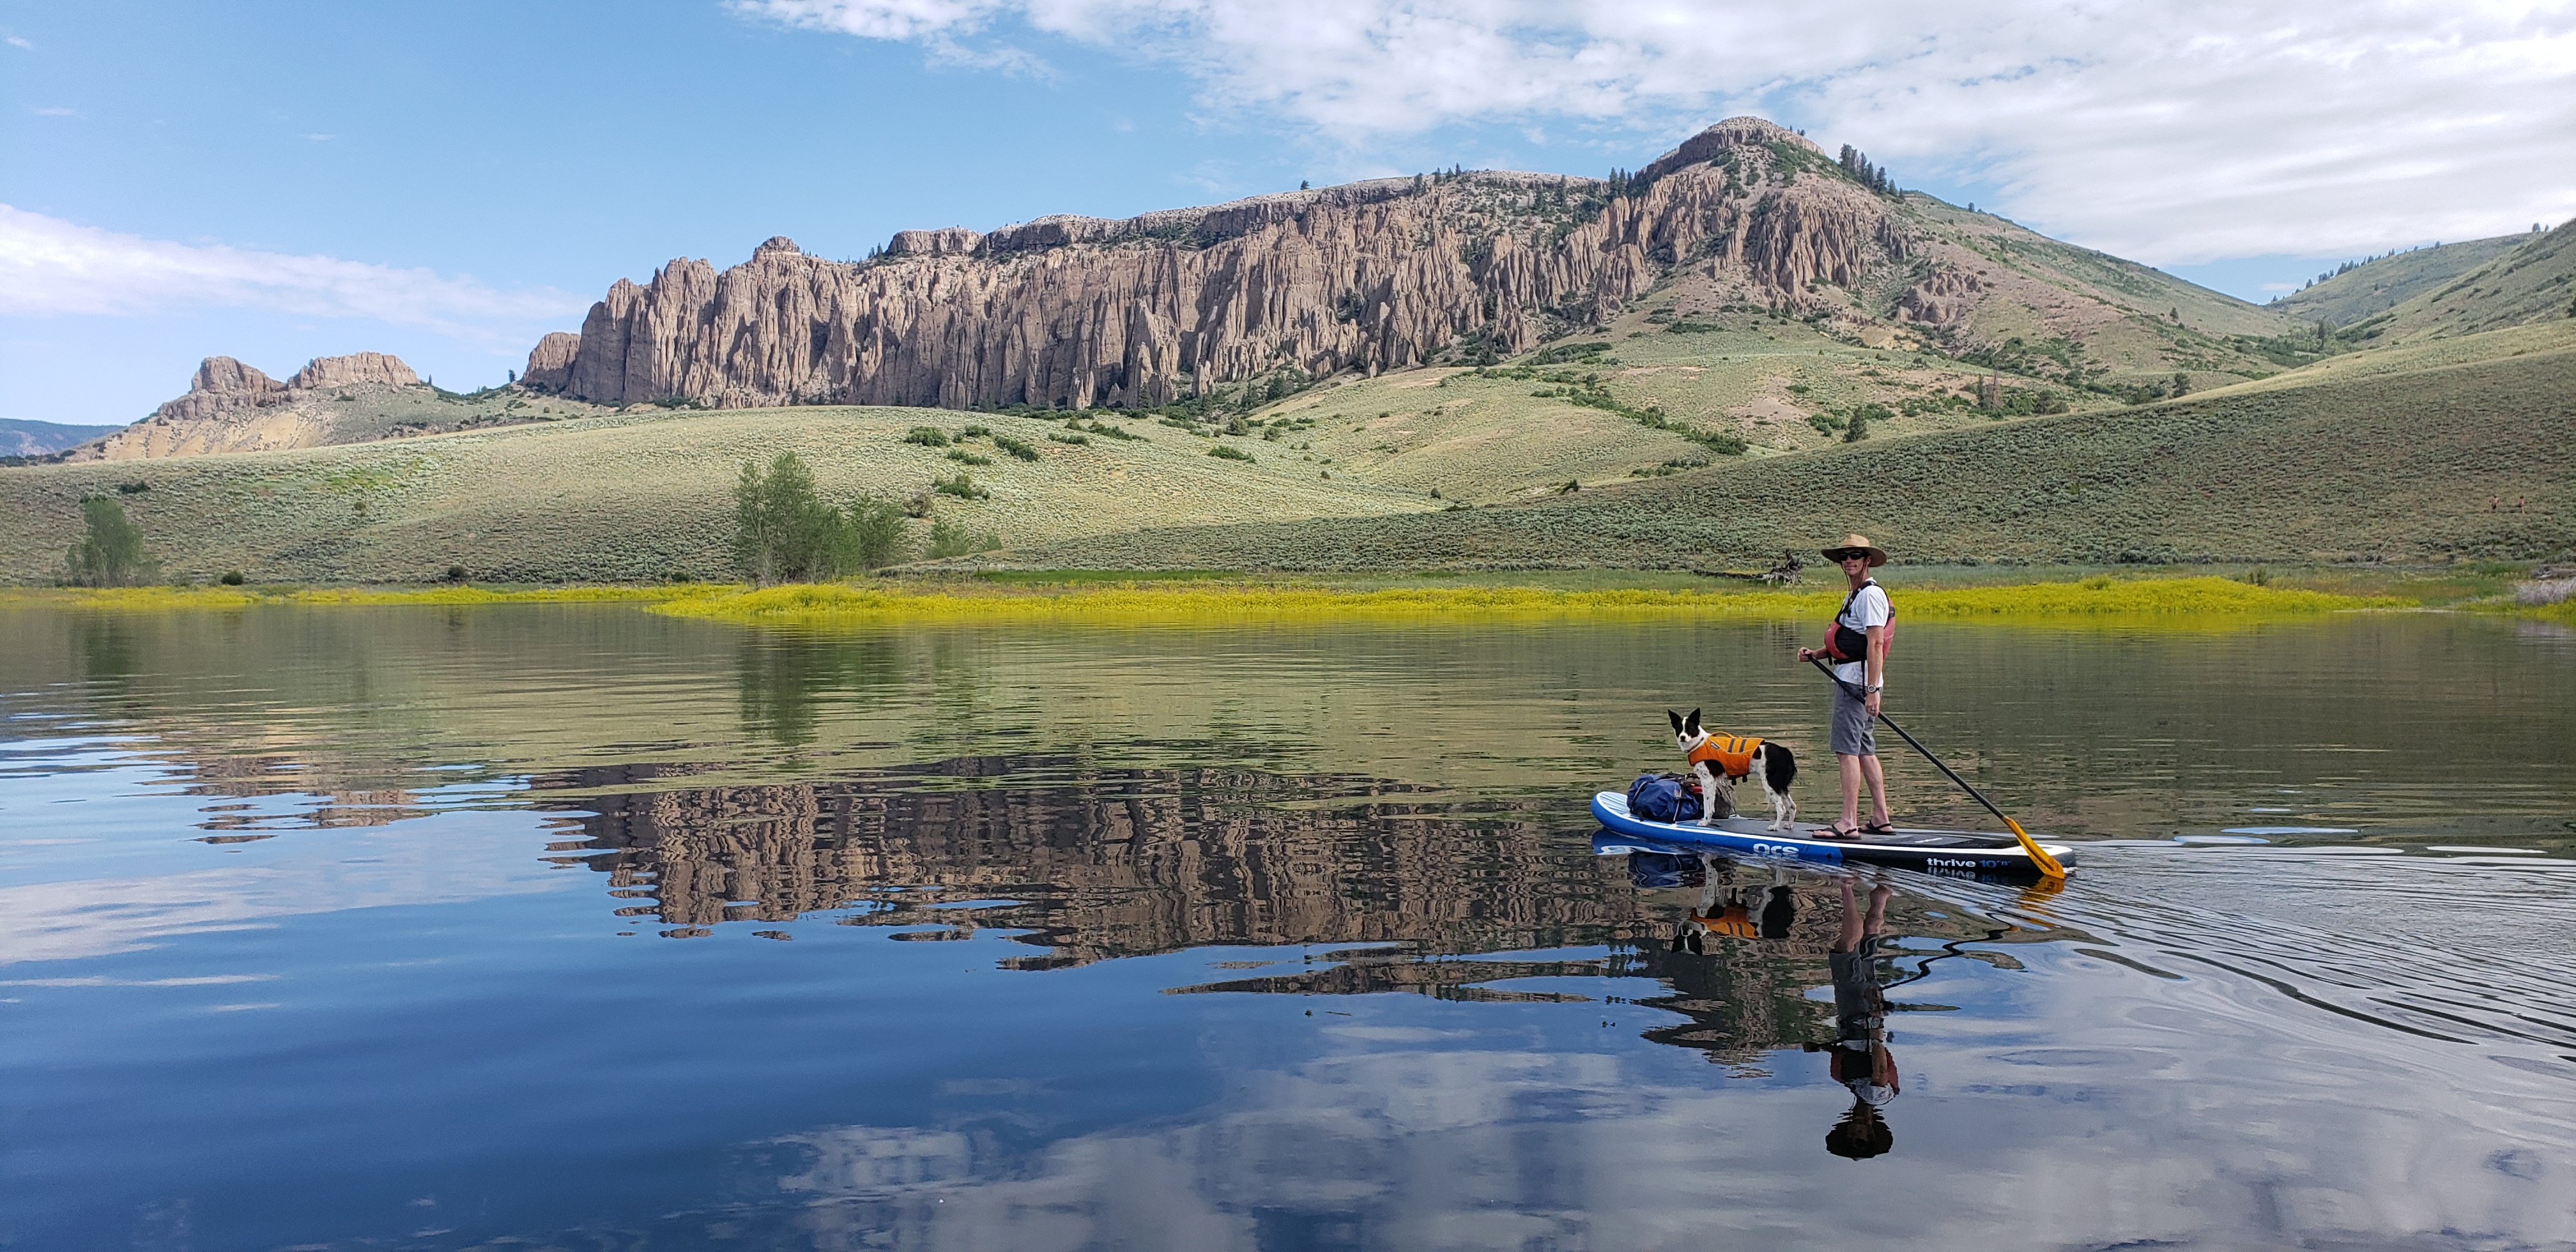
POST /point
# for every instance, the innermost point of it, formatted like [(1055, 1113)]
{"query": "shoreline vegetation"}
[(832, 605), (1195, 598)]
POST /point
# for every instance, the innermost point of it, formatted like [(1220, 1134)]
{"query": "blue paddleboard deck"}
[(1952, 851)]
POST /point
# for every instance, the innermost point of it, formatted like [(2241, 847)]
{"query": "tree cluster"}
[(784, 531), (111, 553), (1856, 163)]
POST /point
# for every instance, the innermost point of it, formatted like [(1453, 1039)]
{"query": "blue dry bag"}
[(1662, 798)]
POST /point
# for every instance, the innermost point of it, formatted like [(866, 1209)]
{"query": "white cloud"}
[(2177, 133), (58, 112), (17, 42), (50, 267)]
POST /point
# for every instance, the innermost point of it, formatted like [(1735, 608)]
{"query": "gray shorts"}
[(1855, 731)]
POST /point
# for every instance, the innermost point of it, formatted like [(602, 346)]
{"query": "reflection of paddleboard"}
[(1938, 851)]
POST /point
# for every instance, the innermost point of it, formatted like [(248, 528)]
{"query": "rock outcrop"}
[(550, 363), (1944, 298), (1371, 276), (355, 369), (221, 384), (232, 407)]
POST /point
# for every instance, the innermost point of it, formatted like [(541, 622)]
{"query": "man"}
[(1860, 1060), (1861, 670)]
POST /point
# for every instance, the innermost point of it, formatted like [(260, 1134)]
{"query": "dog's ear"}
[(1691, 726), (1677, 720)]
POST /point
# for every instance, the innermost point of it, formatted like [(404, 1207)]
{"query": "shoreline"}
[(1196, 604), (1148, 598)]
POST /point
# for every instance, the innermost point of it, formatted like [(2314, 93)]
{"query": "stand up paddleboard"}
[(1937, 851)]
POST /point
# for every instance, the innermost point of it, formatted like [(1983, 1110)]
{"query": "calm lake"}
[(580, 927)]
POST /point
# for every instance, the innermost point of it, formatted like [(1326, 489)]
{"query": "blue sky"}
[(278, 181)]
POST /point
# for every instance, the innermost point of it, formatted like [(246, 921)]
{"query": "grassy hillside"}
[(2535, 282), (643, 495), (2376, 286), (2393, 452), (2392, 457), (322, 417)]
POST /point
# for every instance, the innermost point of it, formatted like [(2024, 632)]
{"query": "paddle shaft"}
[(2047, 864)]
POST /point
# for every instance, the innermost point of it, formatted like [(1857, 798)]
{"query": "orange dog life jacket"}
[(1732, 755)]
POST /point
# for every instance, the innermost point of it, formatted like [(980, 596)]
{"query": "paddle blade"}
[(2038, 856)]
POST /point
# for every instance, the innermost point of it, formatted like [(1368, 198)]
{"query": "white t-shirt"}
[(1868, 609)]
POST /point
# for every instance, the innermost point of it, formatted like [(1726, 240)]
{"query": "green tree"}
[(112, 553), (784, 531), (2181, 383)]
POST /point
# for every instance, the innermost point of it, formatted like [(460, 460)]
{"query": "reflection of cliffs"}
[(1371, 276), (1104, 863)]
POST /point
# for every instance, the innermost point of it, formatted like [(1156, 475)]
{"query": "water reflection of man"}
[(1860, 1059)]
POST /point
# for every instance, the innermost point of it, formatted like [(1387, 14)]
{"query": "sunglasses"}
[(1845, 554)]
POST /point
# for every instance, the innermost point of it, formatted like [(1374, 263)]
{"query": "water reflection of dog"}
[(1752, 911), (1860, 1059)]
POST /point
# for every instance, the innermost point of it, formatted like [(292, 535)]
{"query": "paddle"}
[(2038, 856)]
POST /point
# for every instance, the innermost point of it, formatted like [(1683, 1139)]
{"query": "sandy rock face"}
[(550, 362), (1378, 275), (231, 407), (355, 368), (221, 383), (946, 241), (1945, 297)]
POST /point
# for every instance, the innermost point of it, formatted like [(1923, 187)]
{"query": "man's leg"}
[(1849, 939), (1877, 791), (1851, 768)]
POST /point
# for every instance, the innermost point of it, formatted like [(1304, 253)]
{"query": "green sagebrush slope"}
[(2401, 465), (2376, 286), (2535, 282), (639, 496)]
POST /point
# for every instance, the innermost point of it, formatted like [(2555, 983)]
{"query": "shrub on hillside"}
[(928, 437), (949, 538), (1230, 454), (963, 486)]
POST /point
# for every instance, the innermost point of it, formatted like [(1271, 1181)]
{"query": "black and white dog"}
[(1719, 760)]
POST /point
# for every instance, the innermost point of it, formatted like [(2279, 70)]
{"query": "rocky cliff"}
[(1076, 311), (358, 398), (232, 407)]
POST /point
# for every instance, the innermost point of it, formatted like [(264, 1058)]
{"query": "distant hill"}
[(1223, 307), (2382, 283), (21, 437), (2534, 282), (647, 495), (2393, 454), (359, 398), (1451, 268)]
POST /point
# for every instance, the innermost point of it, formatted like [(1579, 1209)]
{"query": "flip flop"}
[(1837, 832), (1878, 828)]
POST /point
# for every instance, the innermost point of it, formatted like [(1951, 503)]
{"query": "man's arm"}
[(1874, 674)]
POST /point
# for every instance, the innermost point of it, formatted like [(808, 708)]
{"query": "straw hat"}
[(1877, 555)]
